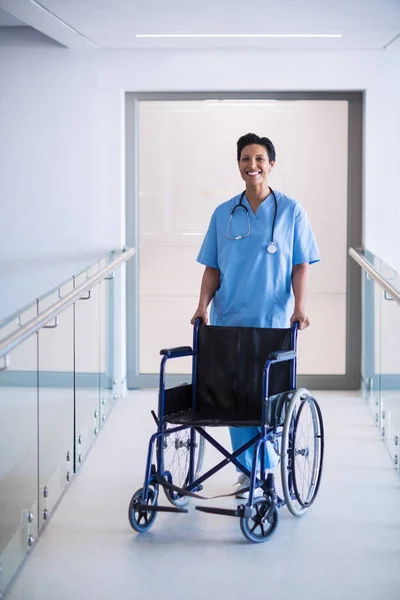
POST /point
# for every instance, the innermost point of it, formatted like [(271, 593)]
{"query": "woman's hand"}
[(201, 313), (301, 317)]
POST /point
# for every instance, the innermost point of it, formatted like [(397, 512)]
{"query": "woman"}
[(257, 253)]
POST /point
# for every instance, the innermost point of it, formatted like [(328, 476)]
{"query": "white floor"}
[(346, 548)]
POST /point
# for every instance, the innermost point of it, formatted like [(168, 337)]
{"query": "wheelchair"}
[(241, 377)]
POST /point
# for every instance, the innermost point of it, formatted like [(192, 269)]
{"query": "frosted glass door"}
[(187, 166)]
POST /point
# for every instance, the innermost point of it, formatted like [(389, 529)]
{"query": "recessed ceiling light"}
[(239, 35)]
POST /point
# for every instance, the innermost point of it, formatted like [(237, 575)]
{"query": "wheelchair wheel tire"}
[(140, 519), (302, 452), (177, 461), (262, 524)]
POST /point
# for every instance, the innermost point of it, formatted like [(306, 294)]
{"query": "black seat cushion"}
[(188, 417), (275, 414), (230, 376)]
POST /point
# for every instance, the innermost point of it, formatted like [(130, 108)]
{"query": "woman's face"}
[(254, 164)]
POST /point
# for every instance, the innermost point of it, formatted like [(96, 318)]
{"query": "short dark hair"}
[(252, 138)]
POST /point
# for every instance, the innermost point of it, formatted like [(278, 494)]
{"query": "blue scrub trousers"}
[(242, 435)]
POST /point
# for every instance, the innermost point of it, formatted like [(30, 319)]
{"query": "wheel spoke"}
[(306, 452), (262, 528), (302, 460), (254, 527), (177, 461)]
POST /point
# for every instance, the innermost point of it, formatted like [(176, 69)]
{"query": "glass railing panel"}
[(87, 368), (390, 375), (377, 339), (371, 344), (56, 404), (381, 352), (107, 396), (19, 457), (56, 390)]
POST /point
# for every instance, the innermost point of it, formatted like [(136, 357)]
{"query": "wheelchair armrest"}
[(177, 352), (282, 355)]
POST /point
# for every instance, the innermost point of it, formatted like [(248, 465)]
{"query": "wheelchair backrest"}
[(230, 368)]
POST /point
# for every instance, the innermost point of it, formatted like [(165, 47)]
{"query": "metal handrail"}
[(381, 281), (18, 313), (19, 336), (57, 288)]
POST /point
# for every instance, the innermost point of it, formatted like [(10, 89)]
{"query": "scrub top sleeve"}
[(305, 248), (208, 254)]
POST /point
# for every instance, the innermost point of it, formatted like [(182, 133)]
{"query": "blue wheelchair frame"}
[(267, 433)]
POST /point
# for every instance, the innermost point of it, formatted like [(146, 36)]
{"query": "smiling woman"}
[(248, 284), (252, 280), (255, 161)]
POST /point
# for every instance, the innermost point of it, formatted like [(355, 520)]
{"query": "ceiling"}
[(364, 24), (7, 20)]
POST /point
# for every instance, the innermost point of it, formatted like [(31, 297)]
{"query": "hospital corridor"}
[(199, 300), (346, 547)]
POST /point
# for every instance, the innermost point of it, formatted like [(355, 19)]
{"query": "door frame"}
[(351, 380)]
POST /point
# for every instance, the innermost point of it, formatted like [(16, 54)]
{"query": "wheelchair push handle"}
[(294, 327)]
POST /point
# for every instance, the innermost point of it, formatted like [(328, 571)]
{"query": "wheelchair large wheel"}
[(177, 461), (263, 522), (141, 519), (302, 452)]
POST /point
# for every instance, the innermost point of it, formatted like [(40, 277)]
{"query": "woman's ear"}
[(271, 166)]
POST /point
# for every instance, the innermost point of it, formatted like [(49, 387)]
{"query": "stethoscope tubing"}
[(241, 205)]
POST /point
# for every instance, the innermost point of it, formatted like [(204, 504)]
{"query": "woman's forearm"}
[(209, 285), (300, 286)]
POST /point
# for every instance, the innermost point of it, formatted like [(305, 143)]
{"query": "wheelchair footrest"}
[(155, 508), (228, 512)]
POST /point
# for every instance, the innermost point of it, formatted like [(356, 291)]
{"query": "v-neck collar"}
[(261, 209)]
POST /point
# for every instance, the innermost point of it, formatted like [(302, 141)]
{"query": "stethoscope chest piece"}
[(272, 248)]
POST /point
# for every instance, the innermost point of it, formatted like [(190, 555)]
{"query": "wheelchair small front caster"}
[(141, 519), (263, 522)]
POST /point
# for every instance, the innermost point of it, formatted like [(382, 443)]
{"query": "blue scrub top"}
[(255, 286)]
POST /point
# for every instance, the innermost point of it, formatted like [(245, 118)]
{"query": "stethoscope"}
[(272, 247)]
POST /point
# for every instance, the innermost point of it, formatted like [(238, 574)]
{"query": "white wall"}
[(382, 222), (58, 211), (61, 141), (375, 72)]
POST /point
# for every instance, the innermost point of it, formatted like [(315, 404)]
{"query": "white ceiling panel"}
[(7, 20), (364, 24), (40, 18)]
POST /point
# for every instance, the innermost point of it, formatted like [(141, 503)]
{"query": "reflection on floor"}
[(346, 548)]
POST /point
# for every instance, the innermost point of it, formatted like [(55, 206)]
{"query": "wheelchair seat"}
[(229, 386)]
